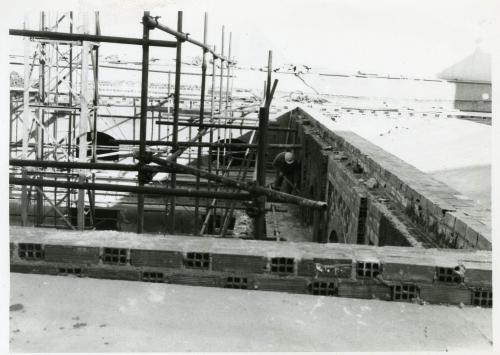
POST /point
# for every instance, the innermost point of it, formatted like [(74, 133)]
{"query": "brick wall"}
[(387, 273), (432, 211)]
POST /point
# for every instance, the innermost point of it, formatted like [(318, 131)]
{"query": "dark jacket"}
[(281, 165)]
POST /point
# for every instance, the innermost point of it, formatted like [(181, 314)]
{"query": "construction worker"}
[(286, 166)]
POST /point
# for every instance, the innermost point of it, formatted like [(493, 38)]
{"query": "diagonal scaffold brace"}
[(171, 166)]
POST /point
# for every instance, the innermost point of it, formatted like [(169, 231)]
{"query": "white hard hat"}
[(289, 158)]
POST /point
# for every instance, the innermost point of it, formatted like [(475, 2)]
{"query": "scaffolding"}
[(59, 141)]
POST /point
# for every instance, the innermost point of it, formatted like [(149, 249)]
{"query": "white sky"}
[(383, 36)]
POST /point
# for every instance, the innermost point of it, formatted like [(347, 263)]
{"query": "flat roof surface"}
[(67, 314)]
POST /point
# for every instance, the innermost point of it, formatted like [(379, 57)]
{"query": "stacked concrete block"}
[(360, 271)]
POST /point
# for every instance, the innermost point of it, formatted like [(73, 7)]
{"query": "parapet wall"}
[(381, 196), (344, 270)]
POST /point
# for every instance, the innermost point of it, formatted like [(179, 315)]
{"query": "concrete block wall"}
[(313, 175), (446, 217), (354, 214), (344, 201), (383, 228), (343, 270)]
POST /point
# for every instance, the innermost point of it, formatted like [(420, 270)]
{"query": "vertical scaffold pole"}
[(211, 136), (221, 111), (26, 123), (83, 123), (39, 128), (143, 121), (71, 116), (269, 71), (95, 57), (175, 128), (228, 70), (202, 114), (260, 220)]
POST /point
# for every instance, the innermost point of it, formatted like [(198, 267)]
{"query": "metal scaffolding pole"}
[(95, 66), (221, 112), (184, 37), (143, 120), (75, 37), (26, 123), (175, 128), (250, 187), (260, 220), (202, 114), (56, 105), (242, 196), (207, 144), (211, 137), (71, 116), (83, 124), (221, 76), (229, 126), (39, 127), (228, 71)]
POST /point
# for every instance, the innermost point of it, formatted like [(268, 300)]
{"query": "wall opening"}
[(333, 237)]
